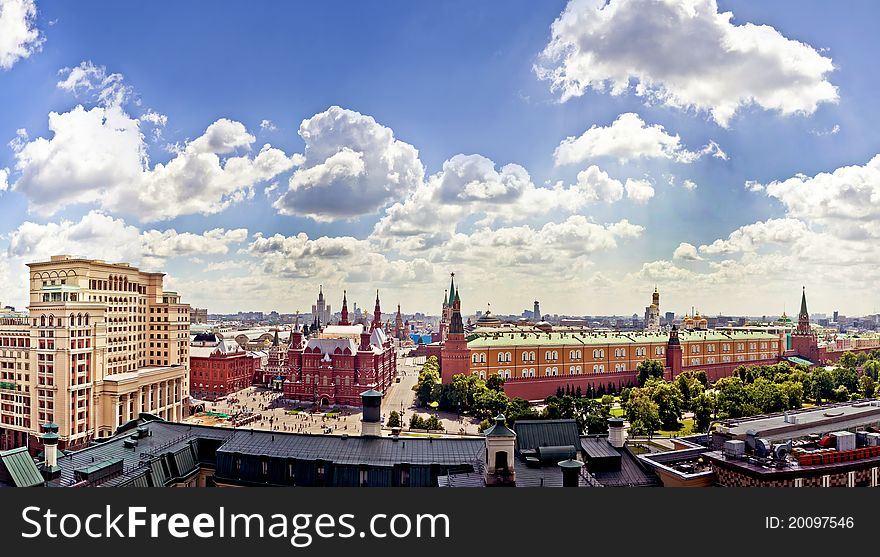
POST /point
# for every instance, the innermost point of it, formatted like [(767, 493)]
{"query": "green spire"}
[(452, 289), (804, 312)]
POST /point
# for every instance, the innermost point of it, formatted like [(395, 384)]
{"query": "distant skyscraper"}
[(536, 314), (320, 310), (836, 315), (652, 313)]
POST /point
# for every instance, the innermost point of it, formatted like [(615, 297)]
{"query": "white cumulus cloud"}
[(629, 138), (352, 166), (685, 54), (19, 36)]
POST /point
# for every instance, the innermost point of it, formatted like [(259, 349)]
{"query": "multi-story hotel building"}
[(101, 343)]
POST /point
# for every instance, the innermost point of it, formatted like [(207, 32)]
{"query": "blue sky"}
[(460, 87)]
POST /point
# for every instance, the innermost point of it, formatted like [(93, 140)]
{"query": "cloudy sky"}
[(578, 152)]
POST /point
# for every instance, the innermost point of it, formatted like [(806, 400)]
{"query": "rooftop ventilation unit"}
[(781, 451)]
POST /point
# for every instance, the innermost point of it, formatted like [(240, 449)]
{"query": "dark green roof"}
[(499, 429), (799, 360), (21, 468), (804, 312), (532, 434), (372, 393)]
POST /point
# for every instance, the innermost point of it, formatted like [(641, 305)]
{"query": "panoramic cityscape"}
[(505, 246)]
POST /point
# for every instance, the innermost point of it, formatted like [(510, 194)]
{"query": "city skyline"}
[(254, 153)]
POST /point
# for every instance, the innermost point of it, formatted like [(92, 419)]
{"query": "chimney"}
[(571, 471), (616, 433), (50, 467), (500, 450), (371, 422)]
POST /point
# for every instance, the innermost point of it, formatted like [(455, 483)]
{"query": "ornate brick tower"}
[(399, 328), (377, 315), (344, 319), (803, 340), (455, 357), (673, 352), (446, 313)]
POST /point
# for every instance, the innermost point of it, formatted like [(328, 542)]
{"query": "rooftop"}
[(501, 337)]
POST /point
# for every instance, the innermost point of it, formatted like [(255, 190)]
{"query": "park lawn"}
[(617, 412), (687, 428)]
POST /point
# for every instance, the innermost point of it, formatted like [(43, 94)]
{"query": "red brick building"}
[(218, 367), (337, 364), (536, 361)]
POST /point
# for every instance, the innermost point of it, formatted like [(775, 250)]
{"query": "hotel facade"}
[(101, 343)]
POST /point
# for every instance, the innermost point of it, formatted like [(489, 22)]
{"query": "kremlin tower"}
[(455, 357)]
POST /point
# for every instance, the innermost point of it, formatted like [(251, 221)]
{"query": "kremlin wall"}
[(538, 359)]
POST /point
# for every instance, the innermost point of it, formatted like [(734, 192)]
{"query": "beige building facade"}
[(101, 343)]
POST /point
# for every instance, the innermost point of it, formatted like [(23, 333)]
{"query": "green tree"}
[(495, 382), (433, 423), (429, 377), (642, 413), (702, 407), (847, 377), (867, 386), (732, 399), (823, 385), (394, 419), (669, 402), (519, 409), (416, 422), (848, 360), (649, 369), (872, 369), (489, 403), (465, 387), (840, 394), (794, 394)]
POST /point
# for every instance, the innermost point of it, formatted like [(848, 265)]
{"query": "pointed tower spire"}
[(456, 327), (377, 314), (451, 288), (275, 340), (804, 312), (344, 320)]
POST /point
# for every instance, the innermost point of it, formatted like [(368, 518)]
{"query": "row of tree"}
[(658, 404)]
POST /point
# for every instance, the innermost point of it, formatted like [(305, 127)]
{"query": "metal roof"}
[(598, 447), (375, 451), (632, 473), (21, 468), (531, 434), (501, 338)]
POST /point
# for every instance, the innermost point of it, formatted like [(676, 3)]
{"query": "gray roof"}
[(164, 437), (598, 447), (18, 468), (632, 473), (822, 419), (340, 449), (531, 434), (173, 438)]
